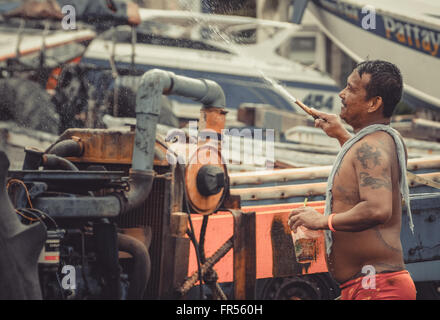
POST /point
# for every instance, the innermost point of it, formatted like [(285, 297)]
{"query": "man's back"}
[(370, 174)]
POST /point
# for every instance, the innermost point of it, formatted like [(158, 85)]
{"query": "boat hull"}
[(413, 46)]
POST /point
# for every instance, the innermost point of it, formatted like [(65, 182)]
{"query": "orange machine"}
[(167, 197)]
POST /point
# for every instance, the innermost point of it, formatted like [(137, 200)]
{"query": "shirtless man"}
[(367, 203)]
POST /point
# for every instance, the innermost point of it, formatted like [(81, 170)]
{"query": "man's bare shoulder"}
[(378, 138), (371, 149)]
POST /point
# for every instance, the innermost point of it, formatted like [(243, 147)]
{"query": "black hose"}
[(53, 162), (202, 238), (141, 265), (66, 148), (192, 236)]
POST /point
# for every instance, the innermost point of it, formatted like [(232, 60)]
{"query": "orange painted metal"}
[(52, 82), (212, 118), (220, 229), (204, 155)]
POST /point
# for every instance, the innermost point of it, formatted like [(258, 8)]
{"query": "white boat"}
[(406, 32), (25, 44), (239, 53)]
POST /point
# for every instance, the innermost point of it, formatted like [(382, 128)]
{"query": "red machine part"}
[(268, 217)]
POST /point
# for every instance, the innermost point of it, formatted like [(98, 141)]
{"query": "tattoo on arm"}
[(375, 183), (367, 156)]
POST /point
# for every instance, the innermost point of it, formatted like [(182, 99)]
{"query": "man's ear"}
[(374, 104)]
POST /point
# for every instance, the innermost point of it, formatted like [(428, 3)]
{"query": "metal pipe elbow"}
[(153, 84), (67, 148), (140, 182), (157, 81), (208, 92), (54, 162), (215, 97)]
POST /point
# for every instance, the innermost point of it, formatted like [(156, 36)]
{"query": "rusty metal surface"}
[(283, 253), (231, 202), (110, 146), (103, 145), (177, 261), (178, 224), (245, 268)]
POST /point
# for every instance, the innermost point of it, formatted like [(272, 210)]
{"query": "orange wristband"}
[(330, 226)]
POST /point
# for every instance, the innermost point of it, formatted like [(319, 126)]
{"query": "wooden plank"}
[(285, 175), (306, 189)]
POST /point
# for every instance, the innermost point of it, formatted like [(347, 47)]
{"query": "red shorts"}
[(387, 286)]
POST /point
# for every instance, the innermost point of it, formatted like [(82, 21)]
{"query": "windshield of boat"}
[(300, 48)]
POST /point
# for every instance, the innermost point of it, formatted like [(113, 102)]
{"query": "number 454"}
[(318, 101)]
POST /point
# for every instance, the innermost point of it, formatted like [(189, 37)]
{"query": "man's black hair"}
[(386, 82)]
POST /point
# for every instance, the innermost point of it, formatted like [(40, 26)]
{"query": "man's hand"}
[(307, 217), (134, 17), (332, 126)]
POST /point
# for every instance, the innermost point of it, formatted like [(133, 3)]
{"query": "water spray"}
[(282, 91), (269, 81)]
